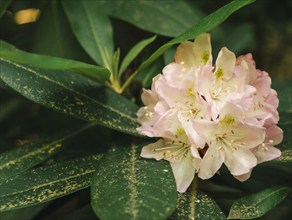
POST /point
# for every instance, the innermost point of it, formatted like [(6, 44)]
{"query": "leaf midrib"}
[(71, 90), (90, 22), (34, 188), (163, 12)]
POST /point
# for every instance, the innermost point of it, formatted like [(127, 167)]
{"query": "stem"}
[(128, 81)]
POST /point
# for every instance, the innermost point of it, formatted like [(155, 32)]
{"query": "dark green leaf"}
[(151, 71), (97, 73), (284, 91), (286, 156), (195, 204), (134, 188), (3, 5), (46, 183), (258, 204), (53, 35), (168, 18), (133, 53), (285, 117), (205, 25), (26, 213), (23, 158), (92, 28), (72, 94), (169, 54)]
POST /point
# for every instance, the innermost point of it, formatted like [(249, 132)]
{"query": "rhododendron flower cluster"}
[(207, 115)]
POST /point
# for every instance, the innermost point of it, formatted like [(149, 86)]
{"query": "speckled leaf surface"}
[(285, 157), (46, 183), (195, 204), (9, 52), (258, 204), (129, 187), (25, 157), (72, 94)]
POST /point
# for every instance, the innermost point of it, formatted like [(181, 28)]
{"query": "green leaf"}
[(195, 204), (133, 53), (258, 204), (286, 156), (21, 159), (3, 5), (47, 183), (97, 73), (53, 35), (205, 25), (285, 117), (284, 91), (151, 71), (168, 18), (72, 94), (134, 188), (94, 30)]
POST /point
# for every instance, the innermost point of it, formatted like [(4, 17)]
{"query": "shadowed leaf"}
[(258, 204), (72, 94), (195, 204), (25, 157), (46, 183), (134, 188)]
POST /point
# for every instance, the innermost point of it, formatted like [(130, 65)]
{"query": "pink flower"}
[(208, 115), (230, 141)]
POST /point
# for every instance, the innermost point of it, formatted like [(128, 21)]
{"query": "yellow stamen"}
[(180, 131), (219, 73), (205, 57), (228, 120)]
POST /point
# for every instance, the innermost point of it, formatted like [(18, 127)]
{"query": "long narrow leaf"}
[(134, 188), (94, 30), (47, 183), (96, 73), (258, 204), (205, 25), (133, 53), (168, 18), (21, 159), (72, 94)]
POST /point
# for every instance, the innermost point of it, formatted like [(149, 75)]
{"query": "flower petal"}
[(185, 54), (239, 161), (225, 64), (243, 177), (211, 162), (203, 50), (184, 172), (266, 153), (152, 150)]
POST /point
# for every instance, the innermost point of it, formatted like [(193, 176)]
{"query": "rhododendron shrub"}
[(207, 114), (74, 114)]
